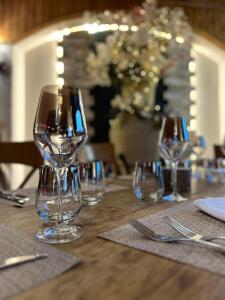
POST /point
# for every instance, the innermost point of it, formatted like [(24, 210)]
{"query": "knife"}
[(18, 199), (12, 261)]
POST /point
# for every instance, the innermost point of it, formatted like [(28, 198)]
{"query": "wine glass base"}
[(59, 234), (174, 197), (88, 201)]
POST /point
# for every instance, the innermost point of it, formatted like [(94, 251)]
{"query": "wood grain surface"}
[(19, 18), (111, 271)]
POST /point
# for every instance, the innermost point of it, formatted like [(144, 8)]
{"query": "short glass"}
[(92, 182), (47, 205), (148, 181)]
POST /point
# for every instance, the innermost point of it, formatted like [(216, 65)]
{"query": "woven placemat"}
[(25, 276), (191, 254)]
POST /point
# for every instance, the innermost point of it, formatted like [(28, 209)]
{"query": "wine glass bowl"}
[(60, 127), (174, 146), (59, 132)]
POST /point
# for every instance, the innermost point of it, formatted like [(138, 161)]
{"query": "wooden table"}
[(111, 271)]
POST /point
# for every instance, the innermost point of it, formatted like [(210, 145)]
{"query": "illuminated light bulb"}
[(60, 81), (66, 31), (134, 28), (120, 75), (157, 107), (143, 73), (59, 51), (59, 67), (91, 28), (192, 66), (58, 36), (193, 95), (147, 90), (180, 39), (193, 124), (123, 27), (114, 27)]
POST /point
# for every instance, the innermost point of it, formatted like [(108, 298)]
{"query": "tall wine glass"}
[(174, 142), (59, 131)]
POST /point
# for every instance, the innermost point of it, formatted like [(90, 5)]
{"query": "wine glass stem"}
[(59, 177), (174, 176)]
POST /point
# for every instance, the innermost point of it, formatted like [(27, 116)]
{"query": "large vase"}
[(134, 137)]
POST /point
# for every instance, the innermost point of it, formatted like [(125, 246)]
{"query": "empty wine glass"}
[(173, 144), (59, 131), (199, 146)]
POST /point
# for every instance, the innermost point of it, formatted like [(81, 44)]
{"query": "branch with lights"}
[(143, 46)]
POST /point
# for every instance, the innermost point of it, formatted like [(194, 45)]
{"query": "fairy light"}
[(193, 125), (59, 67), (193, 95), (59, 51), (192, 66), (60, 81), (179, 39)]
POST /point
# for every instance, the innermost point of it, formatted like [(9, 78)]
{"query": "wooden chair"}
[(100, 151), (218, 152), (25, 153)]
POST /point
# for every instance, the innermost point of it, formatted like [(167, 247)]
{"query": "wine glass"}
[(199, 146), (173, 145), (59, 131)]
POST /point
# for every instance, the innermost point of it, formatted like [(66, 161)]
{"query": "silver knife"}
[(18, 199), (12, 261)]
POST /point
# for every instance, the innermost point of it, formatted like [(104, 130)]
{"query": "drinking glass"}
[(92, 182), (173, 145), (148, 182), (59, 131), (199, 146), (46, 202)]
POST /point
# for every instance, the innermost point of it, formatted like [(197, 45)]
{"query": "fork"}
[(187, 232), (150, 234)]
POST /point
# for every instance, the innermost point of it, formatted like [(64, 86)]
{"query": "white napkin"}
[(212, 206)]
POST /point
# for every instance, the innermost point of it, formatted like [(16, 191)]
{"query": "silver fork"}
[(150, 234), (187, 232)]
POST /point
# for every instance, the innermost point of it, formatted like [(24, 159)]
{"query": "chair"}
[(100, 151), (218, 153), (25, 153)]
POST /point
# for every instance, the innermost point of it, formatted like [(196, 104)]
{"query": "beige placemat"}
[(188, 215), (25, 276)]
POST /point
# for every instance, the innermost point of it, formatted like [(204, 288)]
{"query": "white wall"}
[(210, 99), (40, 71)]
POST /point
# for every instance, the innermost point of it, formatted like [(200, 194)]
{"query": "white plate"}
[(212, 206)]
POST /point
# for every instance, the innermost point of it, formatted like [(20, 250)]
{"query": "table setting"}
[(73, 196)]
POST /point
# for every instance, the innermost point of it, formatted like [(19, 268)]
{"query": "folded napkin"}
[(25, 276), (212, 206)]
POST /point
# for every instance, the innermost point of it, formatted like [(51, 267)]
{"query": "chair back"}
[(100, 151), (25, 153), (218, 152)]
